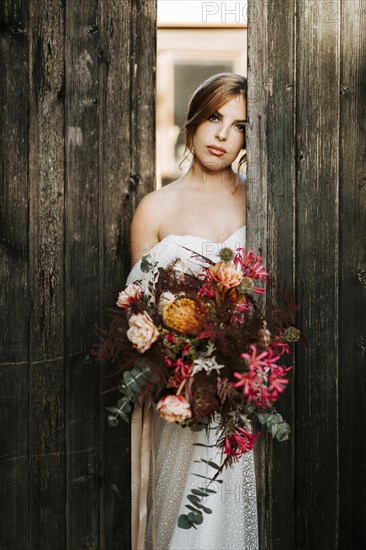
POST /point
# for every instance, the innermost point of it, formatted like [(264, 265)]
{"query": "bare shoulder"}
[(153, 206), (147, 220)]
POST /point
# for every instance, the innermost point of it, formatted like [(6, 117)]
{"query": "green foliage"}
[(133, 383), (196, 496), (275, 424)]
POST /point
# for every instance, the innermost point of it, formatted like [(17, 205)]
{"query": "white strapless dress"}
[(233, 523)]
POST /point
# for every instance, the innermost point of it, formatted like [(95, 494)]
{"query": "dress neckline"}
[(172, 235), (156, 247)]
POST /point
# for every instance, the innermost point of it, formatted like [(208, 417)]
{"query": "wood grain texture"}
[(82, 273), (14, 291), (77, 152), (46, 271), (271, 216), (257, 229), (352, 317), (307, 212), (127, 136), (114, 151), (280, 251), (317, 265)]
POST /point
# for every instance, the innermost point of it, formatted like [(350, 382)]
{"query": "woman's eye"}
[(214, 117), (241, 127)]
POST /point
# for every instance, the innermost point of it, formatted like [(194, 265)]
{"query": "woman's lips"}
[(216, 151)]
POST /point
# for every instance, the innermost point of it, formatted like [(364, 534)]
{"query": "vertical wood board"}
[(82, 273), (352, 316), (46, 271), (127, 84), (317, 108), (14, 292)]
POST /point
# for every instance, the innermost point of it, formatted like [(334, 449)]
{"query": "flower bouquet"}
[(205, 352)]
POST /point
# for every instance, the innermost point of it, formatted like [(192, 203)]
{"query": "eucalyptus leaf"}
[(277, 418), (210, 491), (209, 479), (200, 492), (184, 522), (210, 463), (131, 382), (274, 428), (282, 436), (146, 265), (134, 399), (195, 517), (264, 417), (112, 421), (197, 428), (191, 508), (125, 391), (199, 475), (113, 409), (124, 416), (195, 500), (283, 431), (207, 510)]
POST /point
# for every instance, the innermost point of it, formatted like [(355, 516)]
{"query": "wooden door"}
[(77, 152), (307, 213)]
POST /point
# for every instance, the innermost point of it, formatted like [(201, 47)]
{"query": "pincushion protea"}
[(184, 315)]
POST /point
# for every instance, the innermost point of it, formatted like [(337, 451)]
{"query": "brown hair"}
[(207, 99)]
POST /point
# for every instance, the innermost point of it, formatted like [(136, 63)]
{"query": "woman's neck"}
[(212, 179)]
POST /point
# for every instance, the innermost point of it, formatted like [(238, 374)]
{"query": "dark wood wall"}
[(77, 153), (307, 212), (77, 122)]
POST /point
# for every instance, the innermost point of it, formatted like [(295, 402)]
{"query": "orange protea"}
[(184, 315)]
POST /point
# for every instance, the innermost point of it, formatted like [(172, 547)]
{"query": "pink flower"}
[(182, 370), (254, 360), (142, 332), (264, 380), (174, 408), (280, 346), (170, 338), (239, 443), (277, 381), (226, 274), (251, 266), (206, 290), (131, 294)]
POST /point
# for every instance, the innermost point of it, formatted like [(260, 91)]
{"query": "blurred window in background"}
[(196, 39)]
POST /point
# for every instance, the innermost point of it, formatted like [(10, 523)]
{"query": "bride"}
[(202, 211)]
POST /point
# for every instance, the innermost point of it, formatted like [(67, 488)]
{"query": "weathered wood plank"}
[(46, 270), (352, 358), (14, 293), (281, 242), (317, 265), (257, 177), (271, 176), (127, 75), (113, 153), (82, 273)]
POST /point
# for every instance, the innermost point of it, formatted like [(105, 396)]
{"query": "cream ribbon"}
[(142, 445)]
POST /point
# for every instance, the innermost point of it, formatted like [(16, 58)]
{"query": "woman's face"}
[(218, 141)]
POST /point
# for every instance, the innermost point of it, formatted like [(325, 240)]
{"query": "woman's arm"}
[(145, 226)]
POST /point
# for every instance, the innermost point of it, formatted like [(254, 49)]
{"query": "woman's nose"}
[(221, 133)]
